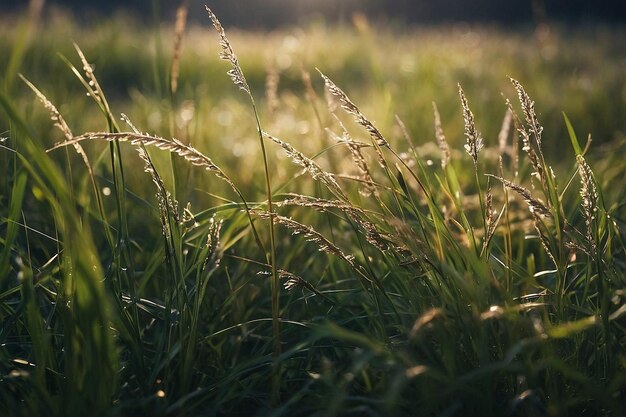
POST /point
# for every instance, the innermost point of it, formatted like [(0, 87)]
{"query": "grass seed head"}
[(351, 108), (528, 107), (227, 54), (589, 196), (179, 31), (534, 205), (271, 89), (474, 139), (310, 166), (442, 142), (505, 129)]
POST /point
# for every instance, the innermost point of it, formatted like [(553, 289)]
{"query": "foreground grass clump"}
[(358, 278)]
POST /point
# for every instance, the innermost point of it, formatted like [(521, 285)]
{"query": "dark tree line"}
[(270, 13)]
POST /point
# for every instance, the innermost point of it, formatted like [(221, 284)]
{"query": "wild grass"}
[(348, 274)]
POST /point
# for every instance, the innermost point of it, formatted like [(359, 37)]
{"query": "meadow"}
[(329, 220)]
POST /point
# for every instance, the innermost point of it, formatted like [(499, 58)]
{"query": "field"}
[(355, 220)]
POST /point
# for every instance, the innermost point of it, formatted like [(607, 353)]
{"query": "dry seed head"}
[(358, 159), (474, 139), (534, 205), (179, 31), (61, 124), (55, 116), (351, 108), (213, 243), (150, 169), (379, 240), (490, 221), (130, 124), (589, 196), (310, 234), (271, 89), (189, 220), (542, 237), (308, 85), (187, 152), (505, 129), (227, 54), (528, 106), (441, 139), (166, 206), (294, 281), (94, 87), (321, 204), (174, 146), (310, 166), (527, 146)]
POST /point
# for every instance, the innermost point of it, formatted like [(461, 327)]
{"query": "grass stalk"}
[(237, 76)]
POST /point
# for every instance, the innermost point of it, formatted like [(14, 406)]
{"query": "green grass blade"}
[(572, 135), (12, 227)]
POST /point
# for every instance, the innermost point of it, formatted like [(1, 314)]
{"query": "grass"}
[(336, 268)]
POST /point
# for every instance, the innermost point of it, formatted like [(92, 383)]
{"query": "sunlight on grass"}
[(336, 221)]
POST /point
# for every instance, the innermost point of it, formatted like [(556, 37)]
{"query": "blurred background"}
[(273, 13), (391, 57)]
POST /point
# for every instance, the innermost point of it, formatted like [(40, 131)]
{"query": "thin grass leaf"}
[(572, 135)]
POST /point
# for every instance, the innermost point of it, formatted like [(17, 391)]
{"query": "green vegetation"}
[(370, 256)]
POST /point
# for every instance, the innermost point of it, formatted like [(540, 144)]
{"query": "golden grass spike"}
[(271, 89), (130, 124), (163, 196), (490, 221), (55, 115), (505, 130), (474, 139), (179, 32), (377, 239), (311, 235), (187, 152), (61, 124), (542, 237), (535, 206), (527, 147), (310, 166), (528, 107), (442, 142), (589, 196), (293, 281), (236, 73), (95, 89), (351, 108), (358, 159), (213, 243)]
